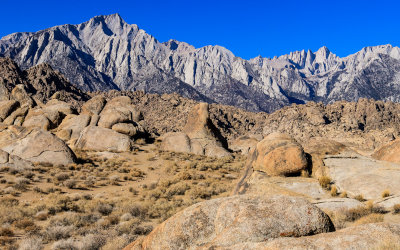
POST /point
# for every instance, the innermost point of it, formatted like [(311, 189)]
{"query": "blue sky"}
[(247, 28)]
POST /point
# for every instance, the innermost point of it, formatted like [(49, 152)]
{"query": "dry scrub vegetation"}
[(107, 200), (368, 213)]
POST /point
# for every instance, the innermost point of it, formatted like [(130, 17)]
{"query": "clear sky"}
[(248, 28)]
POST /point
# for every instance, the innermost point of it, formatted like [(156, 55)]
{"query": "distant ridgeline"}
[(107, 53)]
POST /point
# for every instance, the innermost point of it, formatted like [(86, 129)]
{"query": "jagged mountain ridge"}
[(107, 53), (40, 82)]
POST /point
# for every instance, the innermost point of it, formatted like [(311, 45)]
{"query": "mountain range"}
[(107, 53)]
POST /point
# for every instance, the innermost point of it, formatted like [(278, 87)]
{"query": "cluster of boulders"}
[(27, 130), (42, 116), (116, 122)]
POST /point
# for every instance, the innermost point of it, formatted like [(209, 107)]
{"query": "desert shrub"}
[(29, 174), (183, 176), (71, 184), (177, 189), (396, 208), (112, 219), (305, 173), (200, 192), (155, 194), (63, 203), (385, 193), (133, 191), (69, 244), (31, 243), (62, 176), (57, 232), (38, 190), (334, 191), (118, 242), (126, 217), (92, 242), (90, 181), (9, 202), (135, 172), (114, 179), (343, 194), (10, 190), (41, 215), (104, 208), (4, 231), (163, 208), (21, 183), (24, 223), (359, 197), (375, 208), (127, 227), (136, 210), (325, 181), (353, 214)]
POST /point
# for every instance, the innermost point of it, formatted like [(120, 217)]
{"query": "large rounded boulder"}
[(279, 155), (103, 139), (35, 145), (118, 110), (228, 221)]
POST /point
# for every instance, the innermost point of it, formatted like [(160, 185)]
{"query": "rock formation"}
[(199, 135), (38, 84), (370, 236), (228, 221), (279, 154), (35, 145), (110, 140), (389, 152)]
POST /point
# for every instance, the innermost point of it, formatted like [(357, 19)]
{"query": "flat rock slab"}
[(337, 204), (260, 183), (306, 186), (361, 175), (389, 202)]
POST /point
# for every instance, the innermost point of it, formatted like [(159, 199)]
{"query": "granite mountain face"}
[(107, 53)]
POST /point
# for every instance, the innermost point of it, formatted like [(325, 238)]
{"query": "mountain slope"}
[(40, 82), (107, 53)]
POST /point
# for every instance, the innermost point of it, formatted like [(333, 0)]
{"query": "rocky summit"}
[(107, 53), (110, 139)]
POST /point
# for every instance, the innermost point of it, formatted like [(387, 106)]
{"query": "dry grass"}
[(359, 197), (396, 208), (371, 218), (325, 181), (334, 191), (386, 244), (367, 213), (106, 202), (385, 193)]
